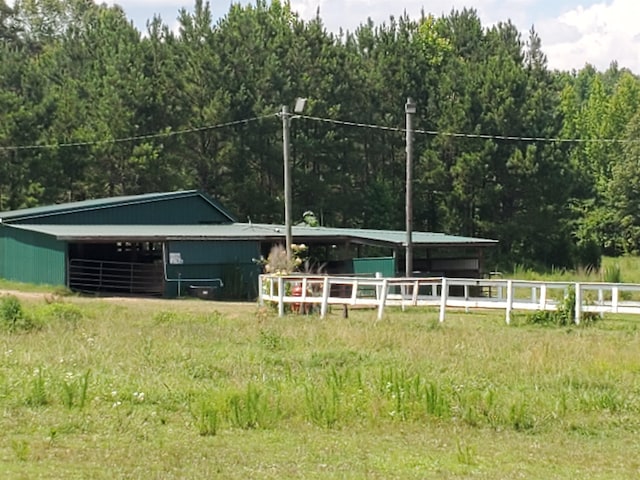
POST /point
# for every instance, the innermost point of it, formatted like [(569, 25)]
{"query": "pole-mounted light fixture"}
[(410, 110), (286, 140)]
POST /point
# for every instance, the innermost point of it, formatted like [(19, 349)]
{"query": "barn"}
[(177, 243)]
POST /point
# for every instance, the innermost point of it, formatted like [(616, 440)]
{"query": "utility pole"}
[(286, 126), (410, 110)]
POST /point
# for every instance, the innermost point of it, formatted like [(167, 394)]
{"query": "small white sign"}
[(175, 258)]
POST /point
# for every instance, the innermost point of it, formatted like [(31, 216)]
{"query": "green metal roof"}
[(248, 231), (97, 204)]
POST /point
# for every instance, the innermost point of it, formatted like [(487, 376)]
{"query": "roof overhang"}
[(248, 232)]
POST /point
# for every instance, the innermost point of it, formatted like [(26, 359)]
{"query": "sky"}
[(573, 32)]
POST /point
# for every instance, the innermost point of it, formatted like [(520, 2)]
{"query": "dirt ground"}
[(162, 303)]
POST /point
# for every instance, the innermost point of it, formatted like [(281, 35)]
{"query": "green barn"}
[(178, 243)]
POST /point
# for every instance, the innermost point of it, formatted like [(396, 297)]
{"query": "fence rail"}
[(302, 292)]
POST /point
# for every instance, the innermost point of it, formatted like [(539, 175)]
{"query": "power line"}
[(346, 123), (134, 138), (471, 135)]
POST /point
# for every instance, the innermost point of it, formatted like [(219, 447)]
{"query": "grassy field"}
[(132, 389), (615, 270)]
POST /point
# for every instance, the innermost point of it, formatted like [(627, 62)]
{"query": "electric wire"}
[(136, 138), (332, 121), (480, 136)]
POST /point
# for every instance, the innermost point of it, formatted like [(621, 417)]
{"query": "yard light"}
[(286, 128)]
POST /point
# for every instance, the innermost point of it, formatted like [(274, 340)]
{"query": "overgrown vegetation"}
[(191, 393), (564, 315)]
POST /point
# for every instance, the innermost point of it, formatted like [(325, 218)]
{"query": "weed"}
[(519, 416), (322, 406), (165, 316), (20, 449), (435, 401), (206, 418), (38, 393), (564, 316), (270, 340), (74, 390), (612, 273), (249, 410), (465, 454)]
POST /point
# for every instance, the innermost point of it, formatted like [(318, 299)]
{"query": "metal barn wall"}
[(192, 210), (372, 265), (31, 257), (191, 264)]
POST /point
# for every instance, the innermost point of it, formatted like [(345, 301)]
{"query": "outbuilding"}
[(185, 242)]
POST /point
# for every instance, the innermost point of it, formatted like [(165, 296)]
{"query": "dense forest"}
[(544, 161)]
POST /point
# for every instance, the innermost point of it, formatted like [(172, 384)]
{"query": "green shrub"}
[(564, 315), (13, 317)]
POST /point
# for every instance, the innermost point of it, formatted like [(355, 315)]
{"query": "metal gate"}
[(116, 277)]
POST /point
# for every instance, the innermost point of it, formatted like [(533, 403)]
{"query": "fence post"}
[(354, 292), (466, 298), (260, 292), (326, 288), (614, 299), (383, 298), (509, 301), (280, 297), (378, 275), (444, 294), (414, 296), (543, 297), (578, 305), (601, 302)]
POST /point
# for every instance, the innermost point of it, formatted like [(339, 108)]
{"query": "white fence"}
[(303, 292)]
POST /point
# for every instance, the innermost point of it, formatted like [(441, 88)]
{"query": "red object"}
[(296, 291)]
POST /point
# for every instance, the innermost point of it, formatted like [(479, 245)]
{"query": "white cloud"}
[(597, 35)]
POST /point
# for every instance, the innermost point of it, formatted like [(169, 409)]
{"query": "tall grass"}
[(613, 270), (241, 393)]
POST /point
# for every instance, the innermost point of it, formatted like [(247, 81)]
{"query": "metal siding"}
[(178, 211), (215, 252), (32, 257), (232, 262), (2, 243), (384, 265)]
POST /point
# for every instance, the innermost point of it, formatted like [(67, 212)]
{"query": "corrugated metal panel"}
[(204, 261), (384, 265), (171, 208), (32, 257)]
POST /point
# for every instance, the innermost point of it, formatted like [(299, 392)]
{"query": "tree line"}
[(90, 107)]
